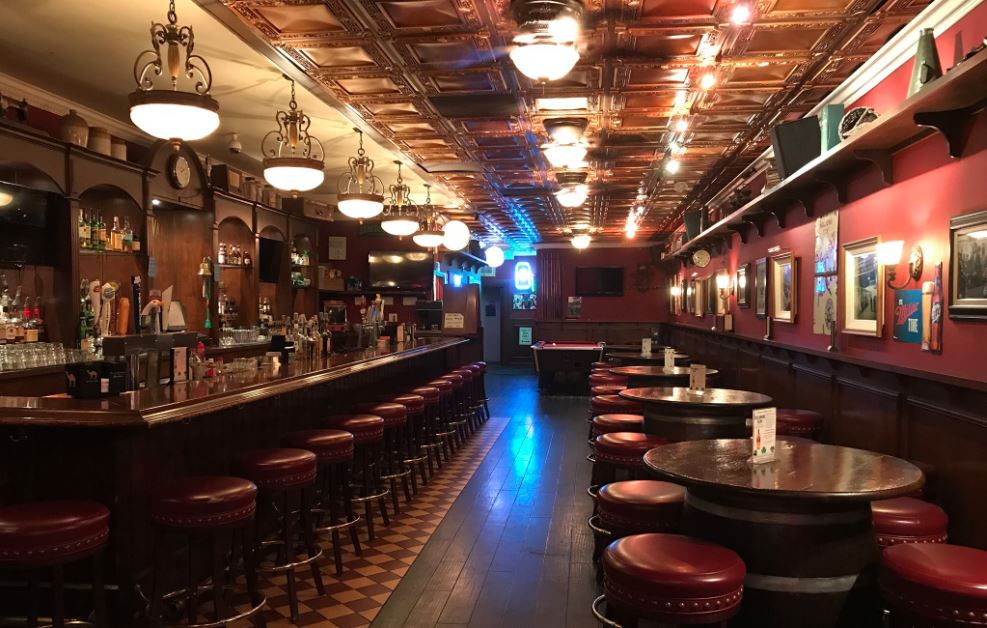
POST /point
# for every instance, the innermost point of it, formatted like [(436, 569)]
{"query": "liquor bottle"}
[(17, 320), (84, 237), (247, 261), (35, 331), (237, 259), (128, 235), (116, 236), (135, 242), (935, 318), (221, 256), (93, 231), (27, 323), (102, 233)]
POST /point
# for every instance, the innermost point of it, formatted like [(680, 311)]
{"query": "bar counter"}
[(119, 451)]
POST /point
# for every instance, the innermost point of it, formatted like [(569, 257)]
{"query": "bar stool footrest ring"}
[(199, 590), (600, 617)]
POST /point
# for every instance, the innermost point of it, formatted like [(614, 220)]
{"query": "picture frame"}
[(784, 284), (862, 288), (722, 296), (743, 286), (761, 287), (711, 295), (968, 266), (689, 294), (699, 298)]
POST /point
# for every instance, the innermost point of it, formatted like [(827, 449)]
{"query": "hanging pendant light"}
[(573, 190), (401, 216), (581, 240), (361, 192), (455, 235), (494, 256), (170, 114), (429, 235), (293, 159), (545, 46)]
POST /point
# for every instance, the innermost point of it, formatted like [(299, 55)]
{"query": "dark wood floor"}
[(514, 550)]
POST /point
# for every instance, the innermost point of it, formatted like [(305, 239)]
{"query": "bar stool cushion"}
[(606, 423), (625, 449), (607, 389), (329, 446), (429, 393), (411, 402), (638, 506), (445, 386), (394, 414), (482, 364), (613, 404), (39, 534), (796, 422), (455, 379), (908, 520), (365, 428), (205, 502), (474, 368), (605, 378), (946, 583), (673, 579), (601, 365), (466, 374), (279, 468)]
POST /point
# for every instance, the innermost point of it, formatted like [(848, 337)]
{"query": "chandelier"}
[(401, 215), (574, 190), (170, 114), (293, 159), (429, 235), (360, 192), (545, 46)]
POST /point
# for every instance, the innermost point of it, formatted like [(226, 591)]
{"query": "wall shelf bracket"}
[(881, 159), (954, 125)]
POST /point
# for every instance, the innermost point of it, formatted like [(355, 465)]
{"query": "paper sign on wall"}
[(669, 358), (453, 320), (646, 346), (763, 436), (697, 379), (524, 336)]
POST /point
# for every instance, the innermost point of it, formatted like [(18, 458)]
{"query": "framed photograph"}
[(863, 288), (761, 287), (784, 287), (743, 286), (968, 266), (711, 295)]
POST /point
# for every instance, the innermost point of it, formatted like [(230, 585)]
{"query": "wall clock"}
[(179, 172), (701, 258)]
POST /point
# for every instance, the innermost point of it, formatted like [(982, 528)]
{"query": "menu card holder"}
[(669, 358), (763, 436), (697, 379)]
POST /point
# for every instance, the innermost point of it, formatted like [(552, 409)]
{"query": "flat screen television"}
[(26, 216), (601, 281), (400, 270), (270, 255)]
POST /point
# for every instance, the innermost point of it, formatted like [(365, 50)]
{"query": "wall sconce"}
[(676, 291), (889, 256)]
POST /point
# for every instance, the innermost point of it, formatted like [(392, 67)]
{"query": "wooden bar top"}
[(177, 402)]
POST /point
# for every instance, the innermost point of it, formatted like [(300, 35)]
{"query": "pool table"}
[(564, 357)]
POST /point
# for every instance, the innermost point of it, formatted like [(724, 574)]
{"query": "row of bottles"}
[(229, 310), (300, 258), (233, 255), (95, 236), (20, 322), (310, 335), (265, 312)]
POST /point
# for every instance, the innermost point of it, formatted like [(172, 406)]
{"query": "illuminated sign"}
[(524, 277)]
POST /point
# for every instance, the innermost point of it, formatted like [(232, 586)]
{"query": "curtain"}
[(549, 281)]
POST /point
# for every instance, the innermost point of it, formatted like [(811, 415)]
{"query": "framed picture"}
[(968, 266), (743, 286), (863, 288), (711, 295), (784, 287), (761, 287), (698, 297), (689, 294), (722, 296)]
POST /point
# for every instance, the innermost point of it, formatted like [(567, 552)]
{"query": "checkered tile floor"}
[(355, 598)]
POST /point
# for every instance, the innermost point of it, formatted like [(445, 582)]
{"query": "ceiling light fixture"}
[(455, 235), (741, 14), (400, 215), (543, 60), (360, 192), (672, 166), (573, 190), (568, 148), (682, 125), (293, 159), (170, 114), (572, 103), (707, 81), (429, 235), (581, 241), (565, 155), (6, 198), (544, 48), (494, 256)]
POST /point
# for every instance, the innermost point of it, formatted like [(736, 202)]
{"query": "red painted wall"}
[(930, 189)]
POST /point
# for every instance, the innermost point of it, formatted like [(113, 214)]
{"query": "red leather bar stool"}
[(457, 415), (395, 448), (610, 404), (670, 579), (278, 473), (606, 389), (908, 520), (415, 456), (601, 365), (596, 379), (795, 422), (483, 388), (221, 510), (447, 431), (635, 507), (429, 441), (368, 440), (606, 423), (469, 411), (934, 586), (45, 535), (333, 450), (620, 452), (477, 408)]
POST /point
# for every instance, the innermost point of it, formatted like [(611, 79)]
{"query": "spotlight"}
[(682, 126), (707, 81), (741, 14), (672, 166)]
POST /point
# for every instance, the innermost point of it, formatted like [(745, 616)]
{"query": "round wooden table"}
[(657, 356), (802, 523), (643, 376), (678, 414)]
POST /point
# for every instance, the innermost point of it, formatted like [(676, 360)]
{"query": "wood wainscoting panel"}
[(867, 416)]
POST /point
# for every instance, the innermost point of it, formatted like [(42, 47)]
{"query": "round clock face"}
[(179, 172), (701, 258)]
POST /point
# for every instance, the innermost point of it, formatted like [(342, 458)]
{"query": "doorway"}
[(491, 323)]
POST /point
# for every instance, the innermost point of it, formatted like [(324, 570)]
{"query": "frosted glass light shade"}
[(293, 174), (889, 253), (565, 155), (572, 195), (495, 256), (169, 115), (360, 206), (428, 239), (456, 235), (544, 61), (581, 241), (399, 226)]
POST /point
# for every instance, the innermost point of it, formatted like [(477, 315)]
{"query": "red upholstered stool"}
[(483, 387), (804, 423), (429, 440), (445, 416), (606, 389), (477, 395), (610, 404), (469, 412), (457, 417), (635, 507), (934, 586), (368, 440), (908, 520), (395, 448), (606, 423), (620, 453), (600, 365), (414, 455), (221, 509), (333, 450), (51, 534), (281, 474), (670, 579)]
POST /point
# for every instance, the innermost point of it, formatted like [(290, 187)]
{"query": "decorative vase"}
[(118, 148), (74, 129), (99, 141), (927, 67)]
